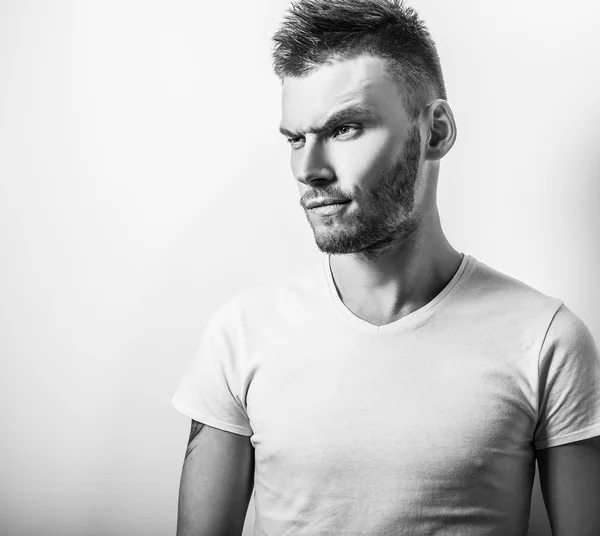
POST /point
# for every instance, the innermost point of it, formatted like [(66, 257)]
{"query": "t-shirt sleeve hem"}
[(199, 416), (586, 433)]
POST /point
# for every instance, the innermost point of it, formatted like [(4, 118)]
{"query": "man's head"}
[(317, 32), (363, 108)]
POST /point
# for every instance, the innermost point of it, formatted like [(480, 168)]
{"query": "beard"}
[(384, 220)]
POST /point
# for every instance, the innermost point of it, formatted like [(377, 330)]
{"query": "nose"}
[(311, 163)]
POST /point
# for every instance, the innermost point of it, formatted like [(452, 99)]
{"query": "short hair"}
[(319, 32)]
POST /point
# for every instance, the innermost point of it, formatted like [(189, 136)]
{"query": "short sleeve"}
[(569, 383), (209, 391)]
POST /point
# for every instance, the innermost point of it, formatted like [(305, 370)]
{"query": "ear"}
[(441, 129)]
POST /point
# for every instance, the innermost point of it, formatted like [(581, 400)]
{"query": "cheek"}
[(361, 161)]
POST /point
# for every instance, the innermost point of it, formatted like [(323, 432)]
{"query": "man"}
[(401, 387)]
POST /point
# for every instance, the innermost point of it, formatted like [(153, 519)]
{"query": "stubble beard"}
[(384, 221)]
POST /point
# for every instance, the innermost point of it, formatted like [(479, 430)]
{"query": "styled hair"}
[(318, 32)]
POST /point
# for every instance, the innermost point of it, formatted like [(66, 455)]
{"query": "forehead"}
[(307, 100)]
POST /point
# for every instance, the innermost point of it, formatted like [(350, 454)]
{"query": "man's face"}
[(352, 140)]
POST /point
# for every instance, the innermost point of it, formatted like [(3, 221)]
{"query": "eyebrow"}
[(335, 119)]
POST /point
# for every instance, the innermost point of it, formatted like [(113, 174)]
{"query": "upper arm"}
[(570, 482), (216, 483)]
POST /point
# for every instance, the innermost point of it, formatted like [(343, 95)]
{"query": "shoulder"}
[(493, 282), (513, 306), (569, 335), (272, 300), (495, 293)]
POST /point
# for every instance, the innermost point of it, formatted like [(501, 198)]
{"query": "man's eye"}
[(344, 129), (294, 141)]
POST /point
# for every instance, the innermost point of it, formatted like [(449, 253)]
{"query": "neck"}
[(384, 287)]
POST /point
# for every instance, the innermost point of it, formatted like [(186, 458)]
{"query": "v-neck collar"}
[(401, 322)]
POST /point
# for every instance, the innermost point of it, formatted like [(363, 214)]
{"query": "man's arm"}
[(216, 483), (570, 482)]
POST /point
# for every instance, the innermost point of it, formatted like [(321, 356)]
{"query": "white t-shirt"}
[(423, 426)]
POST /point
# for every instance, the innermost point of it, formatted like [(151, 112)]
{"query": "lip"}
[(323, 202), (330, 209)]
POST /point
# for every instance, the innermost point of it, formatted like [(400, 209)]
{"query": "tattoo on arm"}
[(196, 427)]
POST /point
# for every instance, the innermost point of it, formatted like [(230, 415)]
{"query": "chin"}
[(338, 245), (334, 249), (372, 245)]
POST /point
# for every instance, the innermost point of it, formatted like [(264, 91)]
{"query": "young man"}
[(401, 387)]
